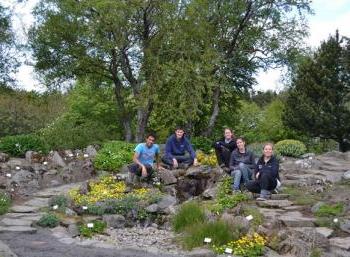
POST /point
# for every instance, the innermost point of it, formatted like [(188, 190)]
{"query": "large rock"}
[(200, 252), (345, 226), (295, 219), (210, 193), (166, 202), (57, 160), (199, 171), (274, 203), (4, 157), (346, 175), (91, 151), (167, 177), (114, 220), (25, 182), (341, 242)]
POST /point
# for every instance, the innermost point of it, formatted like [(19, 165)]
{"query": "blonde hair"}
[(268, 143)]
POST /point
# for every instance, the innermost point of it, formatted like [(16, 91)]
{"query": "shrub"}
[(293, 148), (248, 246), (19, 145), (218, 231), (330, 210), (202, 143), (49, 220), (5, 202), (60, 200), (97, 228), (189, 214), (114, 155), (207, 159), (258, 217)]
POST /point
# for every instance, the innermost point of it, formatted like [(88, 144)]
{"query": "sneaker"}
[(261, 199)]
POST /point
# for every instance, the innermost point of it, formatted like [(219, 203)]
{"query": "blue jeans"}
[(240, 174)]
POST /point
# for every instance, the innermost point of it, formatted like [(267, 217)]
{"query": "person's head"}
[(228, 133), (179, 132), (268, 150), (240, 143), (150, 138)]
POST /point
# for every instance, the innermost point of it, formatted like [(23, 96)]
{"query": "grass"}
[(189, 214), (258, 218), (5, 202), (218, 231), (327, 210), (300, 197)]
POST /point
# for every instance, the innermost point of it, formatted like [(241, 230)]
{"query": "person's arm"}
[(216, 144), (275, 168), (168, 148), (158, 167), (191, 151), (251, 160), (233, 163)]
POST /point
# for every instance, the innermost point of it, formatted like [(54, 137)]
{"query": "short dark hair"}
[(180, 128), (151, 134), (241, 138)]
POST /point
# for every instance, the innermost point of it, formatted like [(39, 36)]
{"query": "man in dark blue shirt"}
[(175, 151)]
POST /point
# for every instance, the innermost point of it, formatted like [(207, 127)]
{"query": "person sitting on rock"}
[(223, 149), (144, 156), (175, 151), (242, 164), (266, 174)]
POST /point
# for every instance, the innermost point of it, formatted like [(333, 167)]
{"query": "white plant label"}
[(45, 163), (86, 155), (8, 175), (85, 207), (55, 207), (90, 225), (18, 168), (249, 217), (228, 250), (335, 220), (70, 155), (207, 240)]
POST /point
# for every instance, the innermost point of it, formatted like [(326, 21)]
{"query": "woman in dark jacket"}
[(266, 174), (224, 147)]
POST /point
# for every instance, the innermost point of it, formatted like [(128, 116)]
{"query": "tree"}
[(8, 61), (166, 57), (319, 99)]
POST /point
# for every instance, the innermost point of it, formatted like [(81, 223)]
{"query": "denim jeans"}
[(241, 174)]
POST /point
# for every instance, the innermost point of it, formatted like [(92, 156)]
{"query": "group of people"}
[(232, 155)]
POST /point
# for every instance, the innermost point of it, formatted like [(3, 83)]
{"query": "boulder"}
[(346, 175), (201, 252), (114, 220), (91, 151), (73, 230), (166, 202), (345, 226), (4, 157), (153, 208), (57, 160), (210, 193), (167, 177)]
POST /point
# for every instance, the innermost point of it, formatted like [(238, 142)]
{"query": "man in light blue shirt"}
[(144, 157)]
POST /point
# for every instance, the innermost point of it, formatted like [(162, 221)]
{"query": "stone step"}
[(24, 216), (274, 203), (15, 222), (38, 202), (341, 242), (296, 219), (23, 209), (279, 196), (19, 229)]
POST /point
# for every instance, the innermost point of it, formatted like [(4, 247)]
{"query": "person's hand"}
[(195, 162), (160, 168), (257, 175), (144, 171), (175, 164)]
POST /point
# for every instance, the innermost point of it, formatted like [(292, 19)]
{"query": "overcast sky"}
[(329, 16)]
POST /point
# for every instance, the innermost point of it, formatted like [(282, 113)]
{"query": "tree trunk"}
[(215, 113), (143, 114)]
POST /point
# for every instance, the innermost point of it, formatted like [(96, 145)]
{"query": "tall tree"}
[(8, 61), (319, 100)]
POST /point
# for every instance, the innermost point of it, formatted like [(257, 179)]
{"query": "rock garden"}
[(85, 197)]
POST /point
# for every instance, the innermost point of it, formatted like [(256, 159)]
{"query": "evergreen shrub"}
[(20, 144), (289, 147)]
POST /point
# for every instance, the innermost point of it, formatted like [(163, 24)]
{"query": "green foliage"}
[(293, 148), (19, 145), (300, 197), (327, 222), (319, 146), (202, 143), (323, 104), (114, 155), (330, 210), (218, 231), (98, 228), (60, 200), (5, 202), (90, 118), (189, 214), (258, 217), (256, 148), (49, 220), (316, 252)]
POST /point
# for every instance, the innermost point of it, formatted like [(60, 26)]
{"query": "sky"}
[(329, 16)]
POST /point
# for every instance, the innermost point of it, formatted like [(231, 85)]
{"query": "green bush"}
[(98, 228), (202, 143), (256, 148), (218, 231), (60, 200), (189, 214), (327, 210), (289, 147), (5, 202), (114, 155), (19, 145), (318, 145), (49, 220)]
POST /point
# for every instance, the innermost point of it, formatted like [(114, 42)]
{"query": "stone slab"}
[(38, 202), (341, 242), (16, 222), (23, 209), (19, 229), (274, 203), (296, 221)]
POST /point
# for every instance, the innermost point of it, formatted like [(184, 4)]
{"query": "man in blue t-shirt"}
[(144, 156)]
